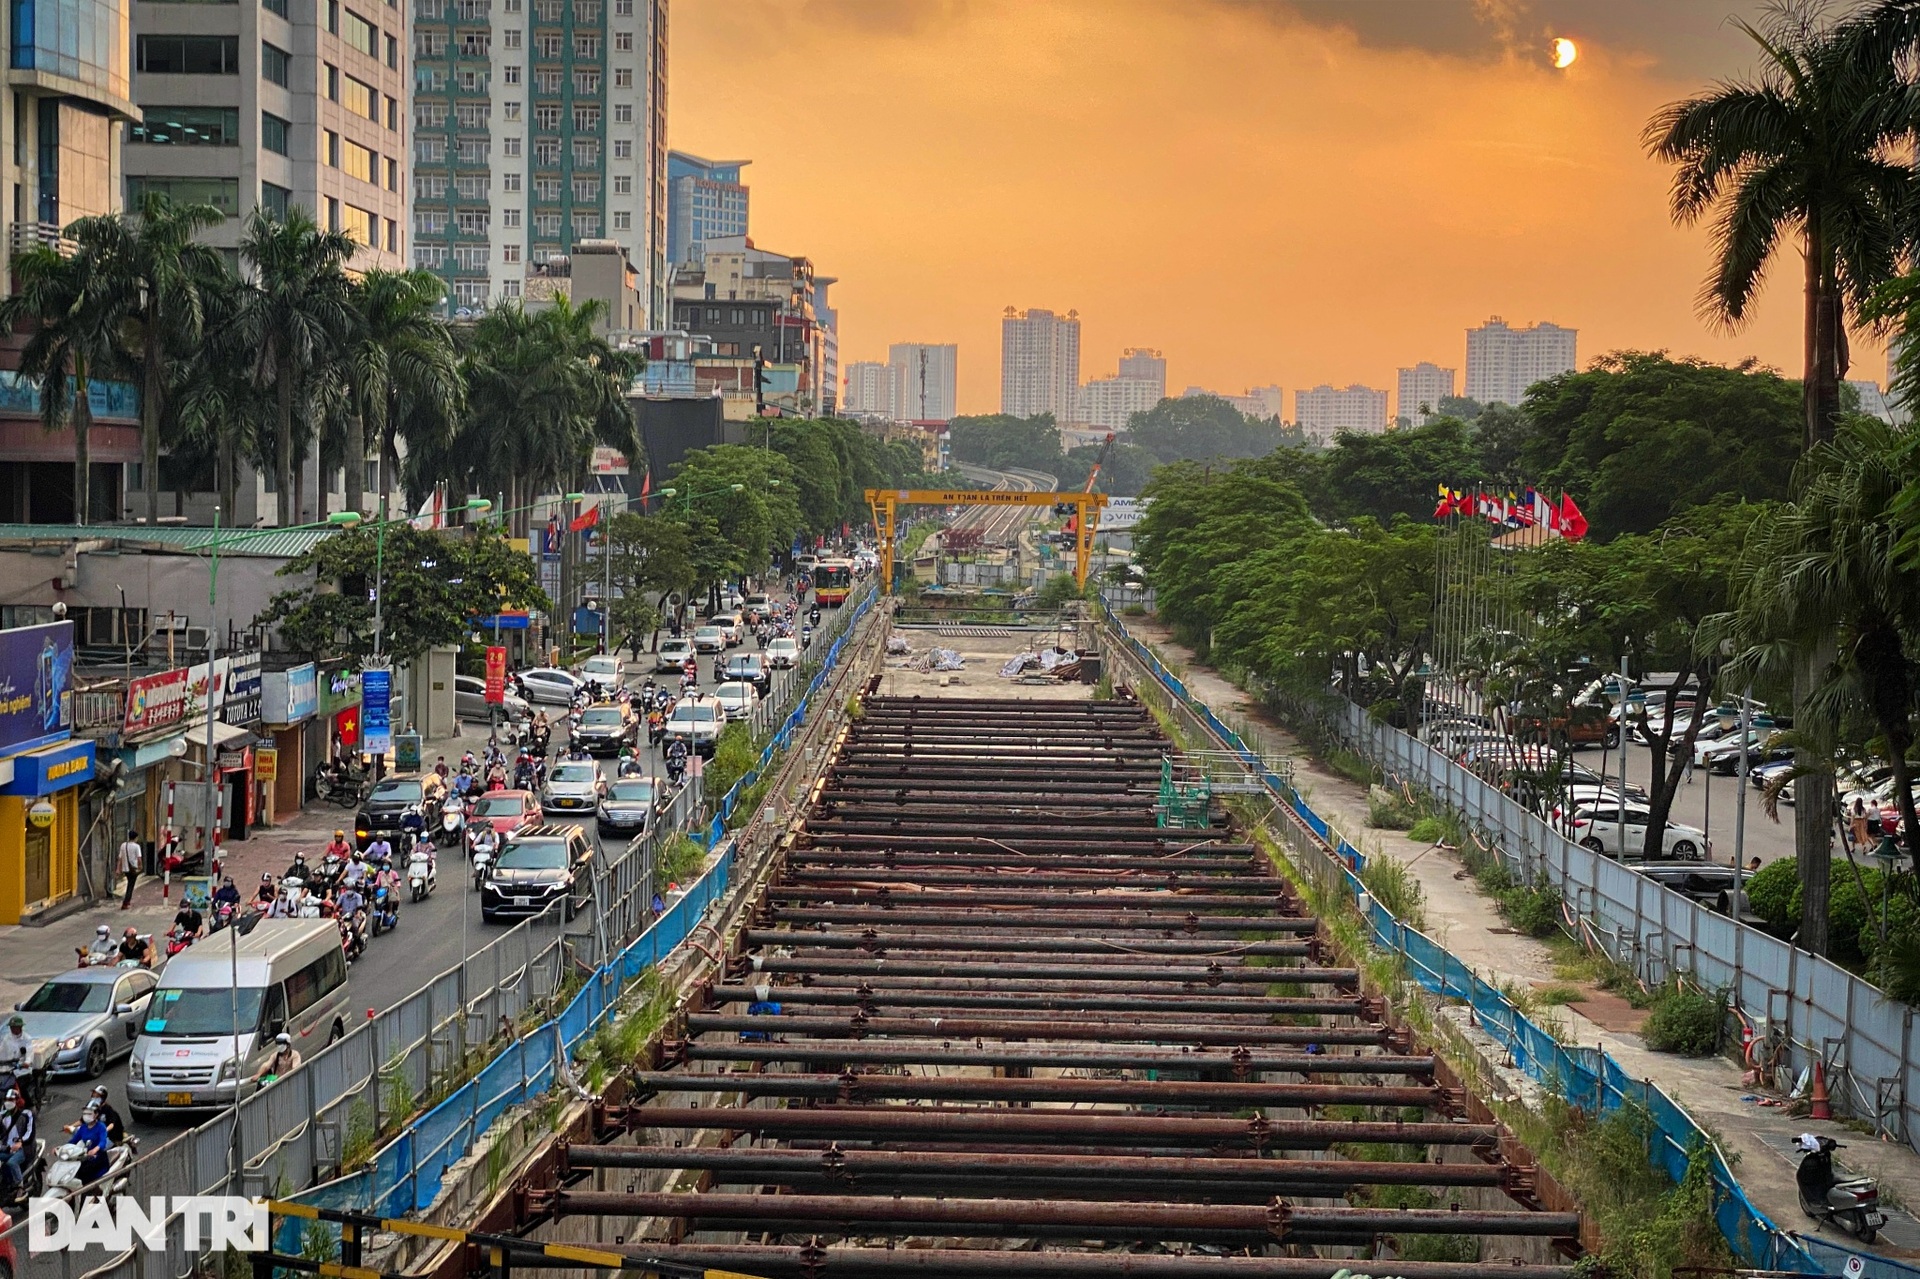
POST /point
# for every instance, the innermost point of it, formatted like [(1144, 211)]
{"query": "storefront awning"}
[(225, 736), (147, 754), (51, 769)]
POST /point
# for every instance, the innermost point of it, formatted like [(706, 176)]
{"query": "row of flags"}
[(1516, 510)]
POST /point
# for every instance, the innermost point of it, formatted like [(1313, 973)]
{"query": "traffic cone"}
[(1820, 1108)]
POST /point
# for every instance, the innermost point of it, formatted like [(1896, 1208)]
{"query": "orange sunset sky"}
[(1292, 191)]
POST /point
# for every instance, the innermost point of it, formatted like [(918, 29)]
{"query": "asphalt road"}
[(1710, 802), (432, 936)]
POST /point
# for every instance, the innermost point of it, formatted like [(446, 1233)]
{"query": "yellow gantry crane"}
[(1085, 508)]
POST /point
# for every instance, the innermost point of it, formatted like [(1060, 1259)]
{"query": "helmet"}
[(131, 931), (283, 1038), (101, 931), (100, 1091), (16, 1021), (339, 834), (266, 877)]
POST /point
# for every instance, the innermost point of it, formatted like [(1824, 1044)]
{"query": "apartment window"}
[(586, 44), (586, 190), (330, 148), (546, 79), (623, 148), (623, 185), (188, 127), (511, 217), (278, 7), (550, 44), (333, 214), (430, 222), (429, 150), (222, 193), (470, 293), (472, 10), (546, 152), (430, 186), (273, 132), (333, 17), (586, 11), (510, 6), (586, 224), (510, 74), (623, 77), (393, 114), (475, 44), (546, 10), (360, 163), (623, 113), (430, 257), (361, 99), (471, 79), (546, 189), (469, 257), (429, 115), (433, 9), (470, 151), (509, 253), (393, 52), (393, 236), (429, 79), (510, 111), (471, 115), (510, 147), (510, 38), (586, 153), (361, 34), (586, 118), (471, 221), (429, 44), (546, 225), (189, 55), (393, 174), (586, 81), (623, 42), (333, 82), (510, 288), (623, 8), (471, 186), (362, 225), (546, 115), (274, 200), (622, 220)]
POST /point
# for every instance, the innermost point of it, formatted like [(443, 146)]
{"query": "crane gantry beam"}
[(885, 502)]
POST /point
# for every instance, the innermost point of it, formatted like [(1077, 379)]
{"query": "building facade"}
[(1145, 364), (1422, 387), (705, 201), (926, 381), (538, 124), (1039, 362), (1325, 411), (1111, 402), (869, 389), (1503, 362), (744, 297), (1261, 402), (275, 106)]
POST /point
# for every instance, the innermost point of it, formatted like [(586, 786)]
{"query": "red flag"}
[(581, 523), (1443, 510), (1573, 525), (646, 484)]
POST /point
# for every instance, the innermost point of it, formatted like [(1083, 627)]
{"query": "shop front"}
[(153, 747), (289, 700), (339, 715), (40, 827)]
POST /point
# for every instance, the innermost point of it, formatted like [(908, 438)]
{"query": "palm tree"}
[(400, 366), (296, 315), (153, 275), (1811, 146), (73, 338)]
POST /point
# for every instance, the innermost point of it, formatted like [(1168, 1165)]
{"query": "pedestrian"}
[(1857, 824), (130, 858)]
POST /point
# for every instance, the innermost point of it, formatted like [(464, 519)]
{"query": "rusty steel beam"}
[(1240, 1061), (1079, 1127), (816, 1261), (1211, 974), (1279, 1220), (1149, 905), (1145, 1092), (1251, 1006), (1130, 950), (1210, 1031), (1202, 860), (1028, 846), (816, 885)]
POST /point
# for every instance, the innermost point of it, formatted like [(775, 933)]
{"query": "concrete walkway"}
[(1756, 1138)]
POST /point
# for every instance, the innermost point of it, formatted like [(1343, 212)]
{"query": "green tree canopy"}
[(1000, 440), (1396, 473), (1203, 426)]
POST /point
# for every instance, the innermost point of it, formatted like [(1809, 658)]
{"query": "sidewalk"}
[(1756, 1139)]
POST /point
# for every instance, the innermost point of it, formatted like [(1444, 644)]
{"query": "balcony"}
[(27, 235)]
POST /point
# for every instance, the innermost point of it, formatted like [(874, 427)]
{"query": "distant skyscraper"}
[(1039, 363), (1260, 402), (827, 335), (1144, 364), (1873, 402), (1325, 411), (1422, 387), (705, 201), (869, 388), (1503, 362), (926, 379), (1112, 401)]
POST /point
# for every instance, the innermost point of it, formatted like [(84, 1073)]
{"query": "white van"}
[(292, 976)]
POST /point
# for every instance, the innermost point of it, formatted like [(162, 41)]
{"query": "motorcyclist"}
[(350, 902), (441, 770), (227, 894), (100, 950), (116, 1131), (16, 1049), (379, 849), (16, 1143), (285, 1059), (424, 845), (339, 847), (189, 920), (266, 894), (676, 757), (629, 766), (299, 869), (92, 1136), (134, 947)]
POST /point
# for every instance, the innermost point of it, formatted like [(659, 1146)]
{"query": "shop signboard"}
[(52, 768), (156, 703), (202, 691), (36, 685), (266, 763), (243, 690), (406, 752), (291, 696), (376, 695), (496, 675)]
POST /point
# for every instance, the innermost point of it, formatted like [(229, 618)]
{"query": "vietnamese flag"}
[(581, 523)]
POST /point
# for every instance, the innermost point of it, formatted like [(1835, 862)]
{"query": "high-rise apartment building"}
[(1260, 402), (1503, 362), (927, 380), (1325, 411), (275, 105), (538, 124), (1422, 387), (827, 334), (1112, 401), (705, 201), (1039, 363), (1144, 364), (870, 389)]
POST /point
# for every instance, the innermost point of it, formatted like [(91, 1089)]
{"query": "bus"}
[(832, 579)]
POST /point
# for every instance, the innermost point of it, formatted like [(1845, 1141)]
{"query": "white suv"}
[(697, 721)]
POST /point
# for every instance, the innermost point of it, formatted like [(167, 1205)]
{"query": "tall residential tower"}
[(1422, 387), (1503, 362), (1039, 363)]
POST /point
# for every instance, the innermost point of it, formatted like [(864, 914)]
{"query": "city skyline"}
[(1538, 200)]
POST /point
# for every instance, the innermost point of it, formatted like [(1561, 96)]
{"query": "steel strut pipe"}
[(1149, 906), (815, 1261), (927, 885), (824, 859), (1247, 1005), (923, 1123), (1211, 1032), (1162, 1092), (935, 945), (1211, 974), (834, 1162), (972, 840), (1280, 1220), (1240, 1061)]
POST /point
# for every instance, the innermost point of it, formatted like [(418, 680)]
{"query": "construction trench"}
[(986, 1015)]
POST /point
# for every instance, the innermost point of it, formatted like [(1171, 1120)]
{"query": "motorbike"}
[(420, 877), (483, 854), (538, 739), (1853, 1205), (453, 822), (676, 769), (340, 787), (63, 1175), (33, 1177), (31, 1083), (221, 915), (806, 637), (178, 939), (353, 935), (301, 903), (385, 908)]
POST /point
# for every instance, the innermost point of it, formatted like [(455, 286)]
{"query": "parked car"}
[(392, 802), (783, 653), (470, 702), (737, 699), (604, 729), (709, 639), (1709, 883), (572, 787), (91, 1016), (673, 655), (730, 623), (629, 805), (1599, 827), (548, 685), (603, 669), (749, 668), (536, 868), (697, 721)]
